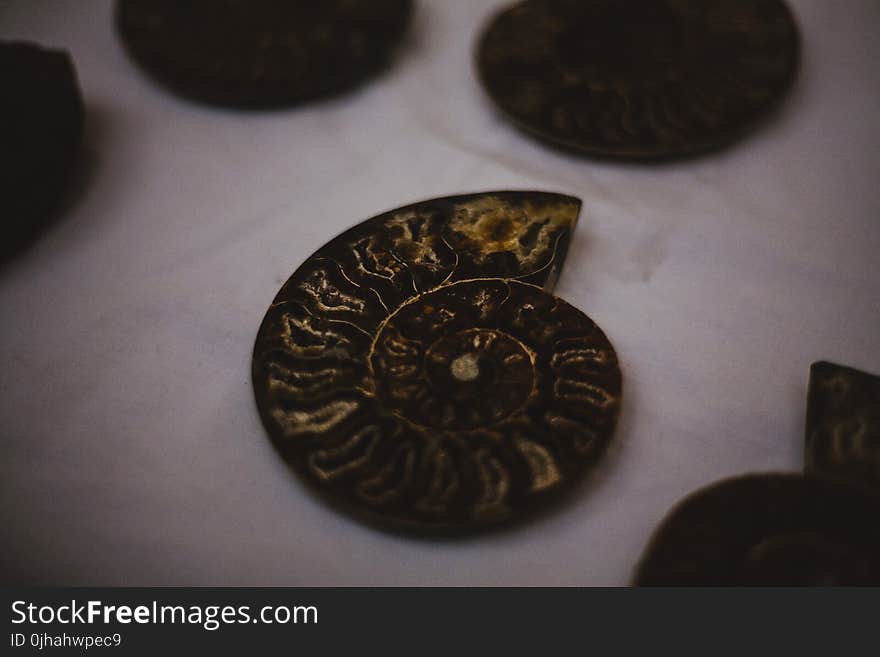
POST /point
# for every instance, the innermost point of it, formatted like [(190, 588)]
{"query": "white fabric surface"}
[(131, 449)]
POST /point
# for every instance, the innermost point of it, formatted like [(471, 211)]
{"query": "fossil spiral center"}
[(465, 368), (435, 365), (481, 364)]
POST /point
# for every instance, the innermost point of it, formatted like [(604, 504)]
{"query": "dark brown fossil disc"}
[(261, 53), (843, 423), (641, 78), (417, 370), (768, 530), (41, 125)]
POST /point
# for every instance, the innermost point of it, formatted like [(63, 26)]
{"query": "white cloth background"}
[(131, 449)]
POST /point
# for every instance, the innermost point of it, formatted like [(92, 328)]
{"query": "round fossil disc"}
[(642, 78), (767, 530), (254, 53), (411, 391)]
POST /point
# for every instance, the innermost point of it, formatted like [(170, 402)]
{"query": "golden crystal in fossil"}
[(418, 370)]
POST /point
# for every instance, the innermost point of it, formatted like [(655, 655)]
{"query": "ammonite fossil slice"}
[(41, 126), (640, 78), (843, 423), (768, 530), (261, 53), (417, 370)]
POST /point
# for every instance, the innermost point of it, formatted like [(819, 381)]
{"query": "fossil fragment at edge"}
[(262, 54), (418, 371), (843, 423)]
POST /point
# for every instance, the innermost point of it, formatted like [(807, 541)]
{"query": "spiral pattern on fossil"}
[(642, 78), (416, 368)]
